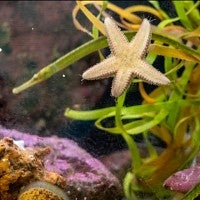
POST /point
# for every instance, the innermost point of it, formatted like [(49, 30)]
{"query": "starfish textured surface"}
[(127, 59)]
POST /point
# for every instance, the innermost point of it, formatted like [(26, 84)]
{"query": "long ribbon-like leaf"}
[(95, 45)]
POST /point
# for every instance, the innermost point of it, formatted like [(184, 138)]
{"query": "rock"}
[(20, 166), (87, 178), (119, 169), (183, 181)]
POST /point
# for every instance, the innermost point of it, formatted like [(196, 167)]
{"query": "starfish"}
[(127, 59)]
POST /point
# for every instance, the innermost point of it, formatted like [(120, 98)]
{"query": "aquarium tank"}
[(100, 100)]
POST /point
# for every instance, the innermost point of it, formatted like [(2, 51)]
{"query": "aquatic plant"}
[(171, 112)]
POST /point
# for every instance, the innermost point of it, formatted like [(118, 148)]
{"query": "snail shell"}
[(41, 190)]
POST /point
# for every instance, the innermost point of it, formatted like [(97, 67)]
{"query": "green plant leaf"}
[(93, 46), (192, 194)]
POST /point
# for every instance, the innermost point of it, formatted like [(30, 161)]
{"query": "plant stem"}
[(136, 159)]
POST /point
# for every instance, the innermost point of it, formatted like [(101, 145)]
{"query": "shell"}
[(41, 190)]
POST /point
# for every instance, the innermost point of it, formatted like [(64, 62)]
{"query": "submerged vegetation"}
[(171, 112)]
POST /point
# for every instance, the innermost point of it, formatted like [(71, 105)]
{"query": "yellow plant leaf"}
[(172, 52), (91, 17), (162, 132), (143, 93), (139, 8), (194, 33), (81, 5)]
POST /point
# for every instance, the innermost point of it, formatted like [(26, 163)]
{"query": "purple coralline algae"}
[(183, 181), (86, 177)]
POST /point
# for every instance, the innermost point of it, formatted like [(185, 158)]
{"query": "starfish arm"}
[(149, 74), (116, 39), (104, 69), (142, 39), (121, 82)]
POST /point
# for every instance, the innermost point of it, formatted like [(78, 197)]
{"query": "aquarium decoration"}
[(170, 111)]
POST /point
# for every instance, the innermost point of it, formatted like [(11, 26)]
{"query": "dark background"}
[(34, 34)]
